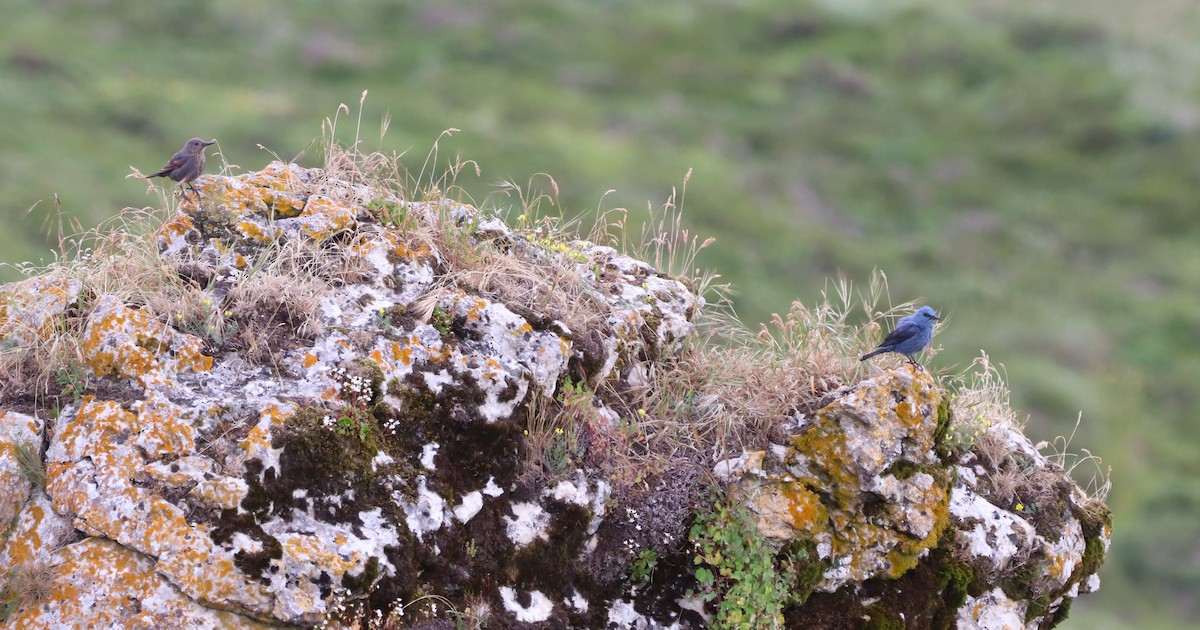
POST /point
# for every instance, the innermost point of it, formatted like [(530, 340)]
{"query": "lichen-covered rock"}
[(97, 583), (377, 453), (863, 482), (17, 431), (364, 412), (860, 480), (29, 309), (1042, 546)]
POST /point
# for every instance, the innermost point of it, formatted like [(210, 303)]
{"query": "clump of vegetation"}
[(24, 586), (981, 414), (357, 390), (29, 460), (735, 568), (554, 434), (642, 567)]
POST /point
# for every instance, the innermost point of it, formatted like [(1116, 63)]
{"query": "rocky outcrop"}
[(335, 401), (869, 485)]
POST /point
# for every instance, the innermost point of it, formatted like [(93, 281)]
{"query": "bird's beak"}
[(210, 142), (937, 318)]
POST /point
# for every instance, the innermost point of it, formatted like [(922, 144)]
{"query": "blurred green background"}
[(1031, 169)]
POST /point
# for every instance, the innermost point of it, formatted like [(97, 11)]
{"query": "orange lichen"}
[(258, 441), (805, 507), (253, 231), (161, 430), (176, 228), (33, 533), (312, 550), (119, 341), (31, 309), (223, 492), (322, 217)]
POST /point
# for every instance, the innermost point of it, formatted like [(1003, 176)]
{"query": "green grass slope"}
[(1032, 175)]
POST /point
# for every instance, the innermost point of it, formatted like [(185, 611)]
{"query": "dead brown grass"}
[(982, 418), (732, 390), (24, 586)]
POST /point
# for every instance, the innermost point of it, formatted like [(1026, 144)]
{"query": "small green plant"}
[(382, 318), (73, 381), (562, 451), (642, 566), (206, 320), (472, 548), (802, 570), (389, 213), (352, 421), (354, 418), (441, 319), (735, 568)]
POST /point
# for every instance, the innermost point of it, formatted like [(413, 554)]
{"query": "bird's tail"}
[(872, 353)]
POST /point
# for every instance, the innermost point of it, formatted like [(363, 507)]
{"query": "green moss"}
[(1038, 607), (318, 460), (361, 583), (879, 618), (953, 582), (1017, 585), (1093, 556), (902, 470), (1095, 523), (416, 404), (802, 568), (374, 374), (1061, 614)]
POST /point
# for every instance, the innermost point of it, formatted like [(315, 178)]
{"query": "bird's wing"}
[(175, 162), (905, 329)]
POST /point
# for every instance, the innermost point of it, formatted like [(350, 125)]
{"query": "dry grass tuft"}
[(25, 585), (29, 461), (730, 390), (982, 418), (1099, 477), (733, 390), (980, 401), (120, 258)]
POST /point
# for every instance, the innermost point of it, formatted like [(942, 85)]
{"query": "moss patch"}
[(802, 568)]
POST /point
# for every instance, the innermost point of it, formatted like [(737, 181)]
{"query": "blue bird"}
[(911, 335)]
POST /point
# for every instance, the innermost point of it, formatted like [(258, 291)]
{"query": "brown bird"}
[(187, 164)]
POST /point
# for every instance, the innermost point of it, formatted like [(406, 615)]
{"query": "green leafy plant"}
[(354, 417), (736, 569), (72, 380), (389, 213), (643, 565)]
